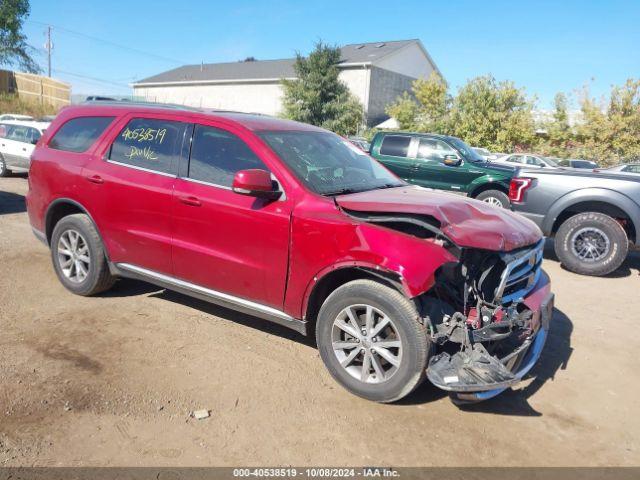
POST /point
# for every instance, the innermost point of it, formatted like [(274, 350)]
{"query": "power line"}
[(109, 42), (87, 77)]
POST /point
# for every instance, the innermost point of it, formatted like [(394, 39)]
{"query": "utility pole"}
[(48, 46)]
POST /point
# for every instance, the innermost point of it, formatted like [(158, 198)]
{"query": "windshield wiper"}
[(342, 191)]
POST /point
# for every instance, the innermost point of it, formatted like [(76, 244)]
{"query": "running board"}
[(212, 296)]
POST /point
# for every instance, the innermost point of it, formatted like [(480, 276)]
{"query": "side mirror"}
[(452, 160), (255, 183)]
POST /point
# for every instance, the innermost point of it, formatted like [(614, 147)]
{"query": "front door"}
[(224, 241), (431, 170)]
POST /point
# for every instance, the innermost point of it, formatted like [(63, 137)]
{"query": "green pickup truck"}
[(444, 163)]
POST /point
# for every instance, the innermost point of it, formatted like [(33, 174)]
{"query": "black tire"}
[(98, 278), (4, 171), (600, 226), (497, 196), (412, 334)]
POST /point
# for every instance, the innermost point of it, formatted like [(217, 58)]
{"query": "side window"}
[(150, 144), (632, 168), (515, 159), (216, 156), (432, 149), (34, 135), (395, 145), (533, 161), (18, 133), (78, 134), (4, 130)]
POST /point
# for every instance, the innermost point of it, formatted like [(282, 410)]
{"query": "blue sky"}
[(544, 46)]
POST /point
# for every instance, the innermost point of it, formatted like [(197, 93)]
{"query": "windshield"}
[(328, 164), (466, 151)]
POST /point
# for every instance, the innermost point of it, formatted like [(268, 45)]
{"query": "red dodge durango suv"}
[(293, 224)]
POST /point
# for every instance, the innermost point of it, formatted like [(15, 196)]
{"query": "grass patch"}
[(10, 103)]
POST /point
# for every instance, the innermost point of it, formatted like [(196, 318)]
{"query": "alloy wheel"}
[(366, 343), (590, 244), (493, 201), (74, 257)]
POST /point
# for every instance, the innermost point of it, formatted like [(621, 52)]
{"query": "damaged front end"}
[(488, 315)]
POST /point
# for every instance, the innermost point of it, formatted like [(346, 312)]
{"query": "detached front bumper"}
[(476, 376)]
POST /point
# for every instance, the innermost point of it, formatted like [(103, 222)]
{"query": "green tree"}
[(491, 114), (14, 51), (317, 96), (427, 109), (609, 133), (405, 110), (559, 139)]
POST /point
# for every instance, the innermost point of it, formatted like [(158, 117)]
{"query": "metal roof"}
[(353, 54)]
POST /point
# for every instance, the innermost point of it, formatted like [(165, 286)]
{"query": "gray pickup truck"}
[(594, 217)]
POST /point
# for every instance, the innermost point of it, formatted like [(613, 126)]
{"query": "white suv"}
[(17, 141)]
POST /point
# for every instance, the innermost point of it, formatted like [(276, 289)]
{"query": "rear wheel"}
[(371, 341), (4, 171), (591, 243), (495, 197), (78, 256)]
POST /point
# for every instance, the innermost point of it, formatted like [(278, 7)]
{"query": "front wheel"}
[(591, 243), (371, 341), (495, 198)]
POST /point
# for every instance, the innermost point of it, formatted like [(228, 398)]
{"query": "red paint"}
[(253, 180), (467, 222), (271, 252)]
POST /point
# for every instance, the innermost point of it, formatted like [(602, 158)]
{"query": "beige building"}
[(376, 73)]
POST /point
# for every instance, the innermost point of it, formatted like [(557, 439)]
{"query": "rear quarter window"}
[(395, 145), (78, 134)]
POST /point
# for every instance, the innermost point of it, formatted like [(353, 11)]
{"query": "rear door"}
[(393, 152), (129, 189), (224, 241)]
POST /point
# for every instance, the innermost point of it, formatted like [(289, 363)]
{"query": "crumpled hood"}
[(467, 222)]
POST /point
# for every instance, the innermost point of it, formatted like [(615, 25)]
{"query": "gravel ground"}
[(111, 381)]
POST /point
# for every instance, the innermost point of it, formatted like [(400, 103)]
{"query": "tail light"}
[(517, 189)]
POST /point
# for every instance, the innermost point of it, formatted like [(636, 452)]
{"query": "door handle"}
[(96, 179), (191, 201)]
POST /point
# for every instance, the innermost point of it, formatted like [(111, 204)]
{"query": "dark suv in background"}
[(443, 162)]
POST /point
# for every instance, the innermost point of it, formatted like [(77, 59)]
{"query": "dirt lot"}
[(111, 381)]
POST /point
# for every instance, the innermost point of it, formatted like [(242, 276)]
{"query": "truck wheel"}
[(591, 243), (494, 197), (4, 171), (372, 342), (78, 256)]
